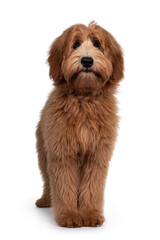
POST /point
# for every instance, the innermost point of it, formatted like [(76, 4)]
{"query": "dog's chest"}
[(85, 122), (84, 135)]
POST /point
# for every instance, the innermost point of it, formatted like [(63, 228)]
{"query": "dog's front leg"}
[(63, 174), (91, 191)]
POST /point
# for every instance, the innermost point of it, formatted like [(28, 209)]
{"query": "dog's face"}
[(86, 58)]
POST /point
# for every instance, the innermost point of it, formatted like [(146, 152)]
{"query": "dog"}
[(77, 130)]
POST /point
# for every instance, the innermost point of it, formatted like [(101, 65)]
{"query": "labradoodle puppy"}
[(78, 126)]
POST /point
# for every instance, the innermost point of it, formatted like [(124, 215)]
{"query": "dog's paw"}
[(70, 220), (43, 202), (92, 218)]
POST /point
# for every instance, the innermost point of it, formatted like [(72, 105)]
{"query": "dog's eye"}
[(96, 44), (76, 44)]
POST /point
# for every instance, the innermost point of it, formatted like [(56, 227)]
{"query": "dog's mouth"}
[(86, 70)]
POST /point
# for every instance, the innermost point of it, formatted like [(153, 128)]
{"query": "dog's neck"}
[(107, 90)]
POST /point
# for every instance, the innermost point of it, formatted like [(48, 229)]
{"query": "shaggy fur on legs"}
[(78, 126)]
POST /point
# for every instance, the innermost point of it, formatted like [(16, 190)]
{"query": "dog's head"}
[(86, 58)]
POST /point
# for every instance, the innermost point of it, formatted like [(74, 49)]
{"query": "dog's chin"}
[(86, 81)]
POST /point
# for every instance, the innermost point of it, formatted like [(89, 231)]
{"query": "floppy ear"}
[(117, 61), (56, 53), (116, 55)]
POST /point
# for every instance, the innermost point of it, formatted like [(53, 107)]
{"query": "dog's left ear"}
[(56, 53), (116, 55), (117, 62)]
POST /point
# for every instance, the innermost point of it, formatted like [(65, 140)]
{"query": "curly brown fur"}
[(78, 126)]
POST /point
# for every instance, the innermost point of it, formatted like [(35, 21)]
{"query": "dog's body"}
[(78, 126)]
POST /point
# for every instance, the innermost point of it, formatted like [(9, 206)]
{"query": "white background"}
[(132, 199)]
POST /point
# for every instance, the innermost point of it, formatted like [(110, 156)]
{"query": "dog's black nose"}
[(87, 62)]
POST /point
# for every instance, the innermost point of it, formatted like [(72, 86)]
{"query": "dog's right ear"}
[(56, 53)]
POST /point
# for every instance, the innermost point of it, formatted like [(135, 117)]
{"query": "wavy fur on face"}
[(75, 74), (78, 126)]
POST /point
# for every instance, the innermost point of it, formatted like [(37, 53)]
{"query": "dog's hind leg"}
[(45, 200)]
